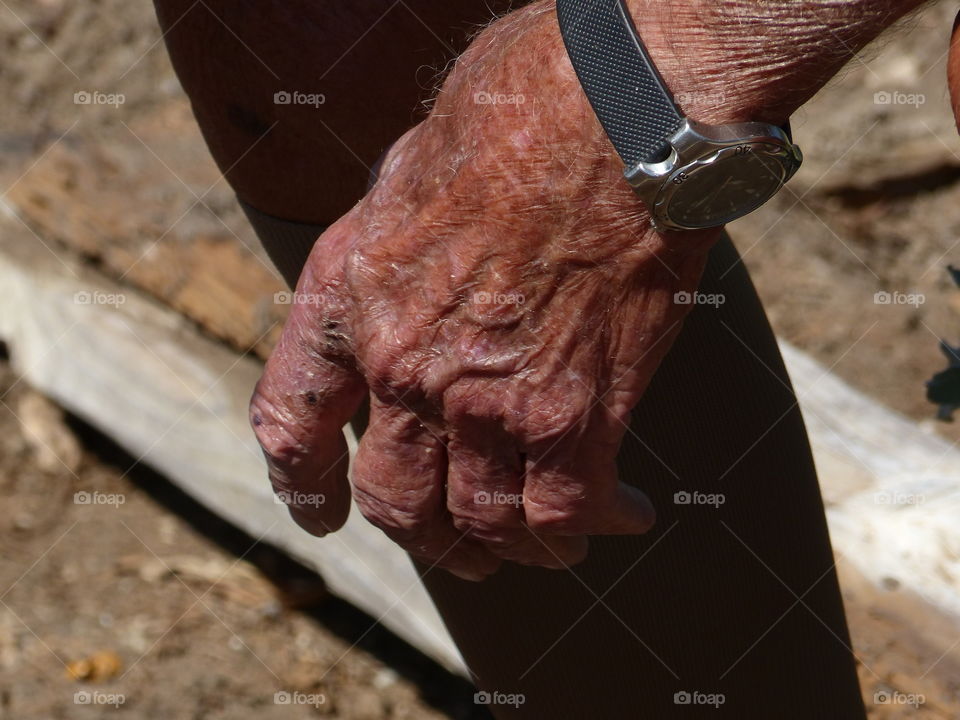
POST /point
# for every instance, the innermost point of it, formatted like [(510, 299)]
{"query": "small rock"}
[(53, 444), (100, 666), (384, 678)]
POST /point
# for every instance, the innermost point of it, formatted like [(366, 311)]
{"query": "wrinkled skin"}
[(502, 298)]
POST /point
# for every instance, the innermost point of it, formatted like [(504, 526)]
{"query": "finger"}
[(573, 487), (485, 497), (308, 392), (398, 484)]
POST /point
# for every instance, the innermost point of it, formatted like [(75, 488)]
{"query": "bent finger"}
[(398, 484), (309, 390), (573, 488), (485, 497)]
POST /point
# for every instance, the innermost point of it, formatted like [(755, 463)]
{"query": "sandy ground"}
[(193, 619)]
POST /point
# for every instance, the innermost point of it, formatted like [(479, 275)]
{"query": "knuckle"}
[(395, 368), (553, 419), (356, 265), (516, 546), (319, 332), (403, 525), (480, 518), (553, 518), (544, 431), (496, 530), (381, 360), (279, 444), (469, 402), (534, 431), (372, 268)]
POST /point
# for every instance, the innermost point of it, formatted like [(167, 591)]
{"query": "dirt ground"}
[(191, 618)]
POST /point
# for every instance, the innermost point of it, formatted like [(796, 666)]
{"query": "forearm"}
[(739, 60), (726, 61)]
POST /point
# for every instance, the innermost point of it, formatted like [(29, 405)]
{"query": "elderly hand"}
[(502, 297)]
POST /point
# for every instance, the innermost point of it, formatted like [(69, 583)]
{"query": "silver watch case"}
[(698, 148)]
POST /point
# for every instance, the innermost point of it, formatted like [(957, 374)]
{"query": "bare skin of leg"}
[(376, 64)]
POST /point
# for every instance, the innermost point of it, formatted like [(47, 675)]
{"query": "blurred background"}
[(136, 306)]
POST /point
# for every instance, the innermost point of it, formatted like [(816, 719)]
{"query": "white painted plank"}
[(892, 488)]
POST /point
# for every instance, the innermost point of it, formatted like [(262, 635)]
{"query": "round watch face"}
[(729, 185)]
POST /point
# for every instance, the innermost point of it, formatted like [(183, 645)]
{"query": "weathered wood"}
[(77, 198), (892, 488)]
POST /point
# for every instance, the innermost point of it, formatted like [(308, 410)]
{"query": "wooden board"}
[(177, 235)]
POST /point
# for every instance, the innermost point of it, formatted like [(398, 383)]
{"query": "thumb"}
[(309, 390)]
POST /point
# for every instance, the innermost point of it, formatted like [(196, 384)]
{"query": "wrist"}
[(736, 61), (566, 156)]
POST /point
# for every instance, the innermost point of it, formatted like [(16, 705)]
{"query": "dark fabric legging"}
[(738, 599)]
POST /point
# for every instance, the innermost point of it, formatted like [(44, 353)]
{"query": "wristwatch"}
[(689, 174)]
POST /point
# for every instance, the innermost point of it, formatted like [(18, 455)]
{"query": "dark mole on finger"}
[(311, 398), (257, 420)]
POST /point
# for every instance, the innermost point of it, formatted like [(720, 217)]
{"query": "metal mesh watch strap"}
[(634, 106)]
